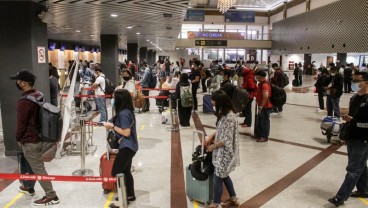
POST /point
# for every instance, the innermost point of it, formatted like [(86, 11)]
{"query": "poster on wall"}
[(41, 55)]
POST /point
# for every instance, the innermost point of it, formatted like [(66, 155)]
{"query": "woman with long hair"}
[(127, 82), (184, 112), (124, 126), (225, 148)]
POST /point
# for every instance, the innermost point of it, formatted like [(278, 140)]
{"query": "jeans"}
[(321, 101), (146, 105), (357, 174), (218, 188), (333, 105), (101, 106), (262, 128), (123, 164), (25, 168), (247, 112), (195, 101), (347, 86), (33, 154)]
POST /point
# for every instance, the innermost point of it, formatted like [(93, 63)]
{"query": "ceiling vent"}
[(167, 15), (168, 28)]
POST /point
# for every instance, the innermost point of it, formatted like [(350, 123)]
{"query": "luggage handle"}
[(202, 144)]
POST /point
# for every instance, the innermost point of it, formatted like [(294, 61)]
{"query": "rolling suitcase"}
[(106, 162), (207, 105), (201, 191), (296, 83)]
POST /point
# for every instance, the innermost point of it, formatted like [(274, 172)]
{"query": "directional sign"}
[(41, 55), (210, 42)]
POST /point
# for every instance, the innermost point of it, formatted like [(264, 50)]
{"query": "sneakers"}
[(357, 194), (336, 201), (321, 111), (213, 205), (46, 201), (231, 202), (261, 140), (28, 191)]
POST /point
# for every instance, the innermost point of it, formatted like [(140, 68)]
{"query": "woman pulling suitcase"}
[(124, 125)]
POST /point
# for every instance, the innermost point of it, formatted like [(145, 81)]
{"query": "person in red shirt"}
[(250, 85), (262, 128)]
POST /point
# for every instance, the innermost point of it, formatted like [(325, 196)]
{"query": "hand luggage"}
[(201, 191), (207, 105), (330, 126), (296, 83), (106, 162), (166, 117)]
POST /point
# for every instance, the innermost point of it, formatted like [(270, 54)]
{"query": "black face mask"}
[(19, 88), (126, 78)]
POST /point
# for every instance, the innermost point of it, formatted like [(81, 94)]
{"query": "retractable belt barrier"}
[(28, 177), (88, 96), (157, 89)]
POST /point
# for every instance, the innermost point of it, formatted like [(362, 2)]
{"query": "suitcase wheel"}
[(106, 191)]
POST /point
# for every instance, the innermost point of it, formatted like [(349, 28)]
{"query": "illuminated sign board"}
[(211, 43), (240, 16), (217, 35)]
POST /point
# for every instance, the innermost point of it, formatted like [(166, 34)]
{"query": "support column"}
[(143, 54), (150, 58), (21, 32), (308, 64), (308, 4), (133, 52), (341, 59), (154, 56), (110, 56), (285, 10)]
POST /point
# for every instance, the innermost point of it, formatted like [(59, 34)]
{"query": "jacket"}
[(337, 83), (358, 109), (146, 78)]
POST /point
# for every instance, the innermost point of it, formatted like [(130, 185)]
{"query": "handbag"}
[(138, 100), (344, 131), (112, 140)]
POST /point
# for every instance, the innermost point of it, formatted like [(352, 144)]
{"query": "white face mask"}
[(333, 74)]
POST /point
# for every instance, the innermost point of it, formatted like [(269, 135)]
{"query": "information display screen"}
[(211, 43)]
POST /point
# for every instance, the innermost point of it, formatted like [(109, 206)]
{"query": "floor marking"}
[(142, 128), (109, 199), (364, 201), (14, 200), (195, 203)]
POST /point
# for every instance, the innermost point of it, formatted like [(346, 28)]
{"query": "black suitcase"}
[(296, 83)]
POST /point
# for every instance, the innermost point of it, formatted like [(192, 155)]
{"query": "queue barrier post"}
[(173, 127), (120, 186)]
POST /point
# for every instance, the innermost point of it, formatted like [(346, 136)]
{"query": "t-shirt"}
[(130, 86), (263, 87), (126, 120), (100, 81), (193, 75)]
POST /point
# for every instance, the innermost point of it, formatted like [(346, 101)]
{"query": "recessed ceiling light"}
[(138, 33), (78, 31), (113, 15), (130, 27), (147, 40), (92, 35)]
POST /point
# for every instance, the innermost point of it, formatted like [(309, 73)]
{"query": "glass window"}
[(254, 32), (185, 28), (230, 56), (214, 28), (235, 28)]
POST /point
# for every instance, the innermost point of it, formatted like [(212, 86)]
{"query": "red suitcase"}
[(105, 171)]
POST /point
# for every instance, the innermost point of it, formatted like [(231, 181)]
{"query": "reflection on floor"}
[(296, 168)]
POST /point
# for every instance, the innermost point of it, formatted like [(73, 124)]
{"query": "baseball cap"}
[(261, 73), (24, 75)]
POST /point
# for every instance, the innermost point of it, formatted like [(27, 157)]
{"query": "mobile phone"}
[(100, 123)]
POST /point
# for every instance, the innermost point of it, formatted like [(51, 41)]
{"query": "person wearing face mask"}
[(99, 87), (28, 139), (357, 144), (195, 79), (128, 82), (334, 91)]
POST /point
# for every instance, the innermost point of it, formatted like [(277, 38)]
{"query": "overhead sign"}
[(240, 16), (195, 15), (217, 35), (211, 43), (41, 55)]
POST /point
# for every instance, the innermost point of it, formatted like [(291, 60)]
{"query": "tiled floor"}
[(296, 168)]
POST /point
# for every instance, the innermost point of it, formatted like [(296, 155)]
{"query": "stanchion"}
[(173, 126), (120, 186), (83, 171)]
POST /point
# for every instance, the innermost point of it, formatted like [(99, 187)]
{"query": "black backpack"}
[(278, 95), (284, 79), (109, 87), (152, 80), (50, 119)]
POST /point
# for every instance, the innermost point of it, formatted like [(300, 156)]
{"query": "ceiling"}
[(263, 5)]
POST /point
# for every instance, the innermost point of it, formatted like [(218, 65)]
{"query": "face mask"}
[(126, 78), (19, 87), (214, 108), (333, 74), (355, 87), (112, 102)]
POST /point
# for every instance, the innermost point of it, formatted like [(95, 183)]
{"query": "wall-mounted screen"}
[(195, 15), (240, 16)]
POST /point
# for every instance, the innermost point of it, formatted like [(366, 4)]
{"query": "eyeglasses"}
[(357, 81)]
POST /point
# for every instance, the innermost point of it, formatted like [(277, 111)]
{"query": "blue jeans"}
[(333, 105), (219, 187), (357, 174), (262, 128), (25, 168), (101, 106)]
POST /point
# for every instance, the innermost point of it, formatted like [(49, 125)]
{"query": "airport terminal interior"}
[(297, 167)]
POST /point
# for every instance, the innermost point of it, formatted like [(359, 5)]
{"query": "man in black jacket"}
[(357, 144), (347, 78), (334, 92)]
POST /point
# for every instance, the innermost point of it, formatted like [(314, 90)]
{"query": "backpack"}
[(186, 97), (284, 79), (240, 99), (109, 87), (152, 80), (278, 95), (50, 119)]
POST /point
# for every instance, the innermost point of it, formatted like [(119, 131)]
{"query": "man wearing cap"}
[(262, 130), (27, 136)]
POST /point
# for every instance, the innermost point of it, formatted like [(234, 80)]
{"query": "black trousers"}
[(195, 101), (321, 100), (184, 115), (123, 164), (347, 86), (247, 112), (146, 105), (204, 87)]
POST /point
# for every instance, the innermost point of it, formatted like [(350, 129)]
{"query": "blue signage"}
[(195, 15), (240, 16), (52, 46)]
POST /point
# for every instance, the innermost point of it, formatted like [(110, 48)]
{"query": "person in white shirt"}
[(99, 87), (128, 83)]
